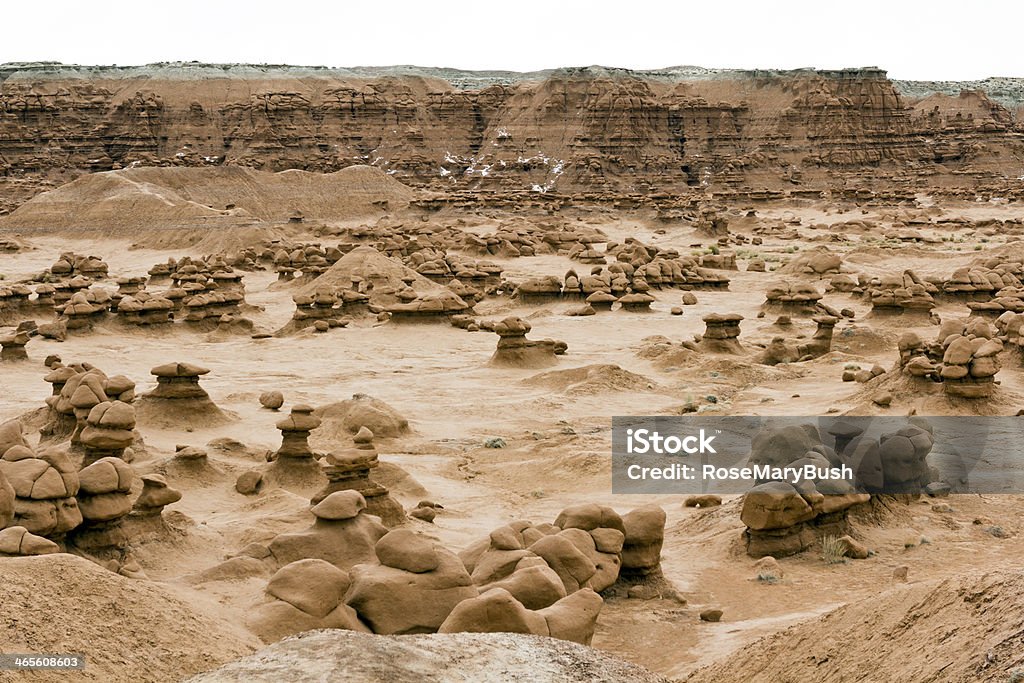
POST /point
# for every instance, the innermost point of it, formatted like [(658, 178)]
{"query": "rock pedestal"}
[(515, 350), (12, 346), (104, 497), (539, 290), (80, 313), (722, 332), (791, 298), (431, 307), (295, 431), (821, 342), (178, 381), (969, 366), (156, 494), (145, 309), (108, 431), (349, 470), (636, 302)]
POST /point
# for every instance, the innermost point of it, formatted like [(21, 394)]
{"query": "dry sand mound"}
[(965, 629), (591, 379), (128, 629), (341, 420), (130, 200), (384, 273), (464, 657)]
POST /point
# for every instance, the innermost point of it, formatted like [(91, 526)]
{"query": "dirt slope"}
[(128, 630), (965, 629)]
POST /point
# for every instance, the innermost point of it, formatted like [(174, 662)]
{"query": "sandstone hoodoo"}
[(965, 358), (295, 431), (295, 465), (178, 399), (77, 390), (104, 498), (350, 469), (791, 299), (156, 494), (108, 431), (342, 534), (143, 308), (721, 333), (516, 351), (178, 381), (901, 295), (12, 345), (45, 485), (433, 307), (636, 302)]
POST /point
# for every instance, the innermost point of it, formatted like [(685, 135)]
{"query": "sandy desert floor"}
[(555, 423)]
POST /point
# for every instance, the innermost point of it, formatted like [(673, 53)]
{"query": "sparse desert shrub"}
[(833, 550), (767, 577), (997, 531), (1017, 676)]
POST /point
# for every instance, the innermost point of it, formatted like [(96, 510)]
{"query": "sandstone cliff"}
[(568, 130)]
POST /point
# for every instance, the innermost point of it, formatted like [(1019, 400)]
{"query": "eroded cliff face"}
[(569, 131)]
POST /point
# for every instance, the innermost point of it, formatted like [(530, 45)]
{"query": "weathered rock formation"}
[(515, 350)]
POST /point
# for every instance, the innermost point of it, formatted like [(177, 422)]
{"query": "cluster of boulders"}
[(791, 298), (48, 503), (322, 305), (1010, 328), (900, 294), (191, 274), (436, 306), (781, 351), (299, 260), (528, 239), (964, 357), (816, 262), (980, 283), (348, 571), (212, 305), (446, 268), (82, 396), (605, 285), (145, 308), (85, 308), (1007, 299), (786, 517), (37, 489), (70, 264)]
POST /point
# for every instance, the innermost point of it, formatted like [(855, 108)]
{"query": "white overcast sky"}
[(965, 39)]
